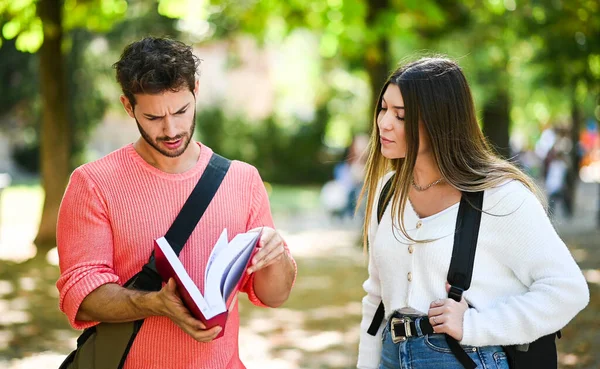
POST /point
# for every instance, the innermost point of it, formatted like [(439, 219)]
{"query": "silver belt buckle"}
[(406, 321)]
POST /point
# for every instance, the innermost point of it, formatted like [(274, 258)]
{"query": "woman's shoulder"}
[(510, 197)]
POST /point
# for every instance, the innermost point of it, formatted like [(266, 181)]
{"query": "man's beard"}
[(187, 137)]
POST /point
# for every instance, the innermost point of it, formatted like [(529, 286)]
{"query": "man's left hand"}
[(271, 250)]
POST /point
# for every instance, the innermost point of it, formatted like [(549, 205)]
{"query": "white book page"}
[(222, 264), (220, 245), (189, 285), (237, 268)]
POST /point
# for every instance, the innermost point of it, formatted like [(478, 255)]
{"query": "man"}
[(114, 208)]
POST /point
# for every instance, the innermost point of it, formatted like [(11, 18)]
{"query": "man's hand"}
[(173, 308), (270, 250), (446, 316)]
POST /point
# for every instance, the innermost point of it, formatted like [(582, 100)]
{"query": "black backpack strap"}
[(148, 278), (465, 243), (463, 257), (382, 204)]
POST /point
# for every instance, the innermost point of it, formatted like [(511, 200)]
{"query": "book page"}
[(238, 267), (220, 245), (184, 277), (222, 264)]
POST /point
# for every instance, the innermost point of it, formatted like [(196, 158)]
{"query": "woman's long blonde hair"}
[(436, 92)]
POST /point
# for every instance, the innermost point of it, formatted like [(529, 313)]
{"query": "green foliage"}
[(88, 58), (282, 155), (87, 102), (24, 24), (568, 43), (18, 78)]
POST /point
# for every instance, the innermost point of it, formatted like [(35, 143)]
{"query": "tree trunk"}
[(55, 135), (573, 174), (376, 57), (496, 121)]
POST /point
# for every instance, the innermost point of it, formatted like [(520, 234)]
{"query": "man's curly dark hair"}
[(154, 65)]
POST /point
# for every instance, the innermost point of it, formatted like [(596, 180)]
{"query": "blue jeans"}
[(432, 352)]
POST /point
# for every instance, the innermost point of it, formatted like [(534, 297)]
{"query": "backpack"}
[(540, 354)]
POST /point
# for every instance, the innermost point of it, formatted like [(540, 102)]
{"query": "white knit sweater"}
[(525, 282)]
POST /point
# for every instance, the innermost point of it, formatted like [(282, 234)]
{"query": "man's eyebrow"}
[(162, 116)]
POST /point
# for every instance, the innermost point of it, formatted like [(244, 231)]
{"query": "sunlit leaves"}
[(96, 15), (594, 65), (31, 39), (24, 24), (183, 9)]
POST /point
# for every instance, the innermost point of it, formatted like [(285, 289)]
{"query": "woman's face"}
[(390, 122)]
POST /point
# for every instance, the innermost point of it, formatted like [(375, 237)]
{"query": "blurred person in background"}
[(340, 195), (556, 181), (526, 285)]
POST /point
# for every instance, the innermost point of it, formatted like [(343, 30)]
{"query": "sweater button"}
[(409, 276), (411, 249), (419, 224)]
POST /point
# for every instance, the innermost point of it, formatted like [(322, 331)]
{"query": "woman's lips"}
[(385, 141)]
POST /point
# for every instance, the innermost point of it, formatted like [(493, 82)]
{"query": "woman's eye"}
[(400, 118)]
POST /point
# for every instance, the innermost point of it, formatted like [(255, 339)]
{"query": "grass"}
[(287, 198), (21, 204)]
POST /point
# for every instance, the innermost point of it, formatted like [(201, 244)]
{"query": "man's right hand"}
[(172, 307)]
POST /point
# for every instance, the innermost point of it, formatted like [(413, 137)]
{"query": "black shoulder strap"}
[(382, 204), (463, 257), (185, 222), (197, 202), (465, 243)]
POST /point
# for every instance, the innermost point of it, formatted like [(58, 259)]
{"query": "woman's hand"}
[(446, 316)]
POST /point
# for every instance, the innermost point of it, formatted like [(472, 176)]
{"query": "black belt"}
[(403, 327)]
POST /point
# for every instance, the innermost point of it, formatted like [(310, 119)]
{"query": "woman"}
[(525, 283)]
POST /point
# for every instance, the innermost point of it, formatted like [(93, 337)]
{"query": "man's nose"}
[(169, 129)]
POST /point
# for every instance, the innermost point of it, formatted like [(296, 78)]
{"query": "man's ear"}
[(127, 105), (197, 88)]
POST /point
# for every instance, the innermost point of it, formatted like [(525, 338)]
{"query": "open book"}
[(225, 268)]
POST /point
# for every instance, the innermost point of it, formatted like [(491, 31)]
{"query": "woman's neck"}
[(425, 171)]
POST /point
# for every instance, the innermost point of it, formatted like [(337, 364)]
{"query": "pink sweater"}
[(112, 211)]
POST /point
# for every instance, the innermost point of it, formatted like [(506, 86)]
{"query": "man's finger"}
[(266, 237), (264, 252), (207, 335), (265, 261)]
